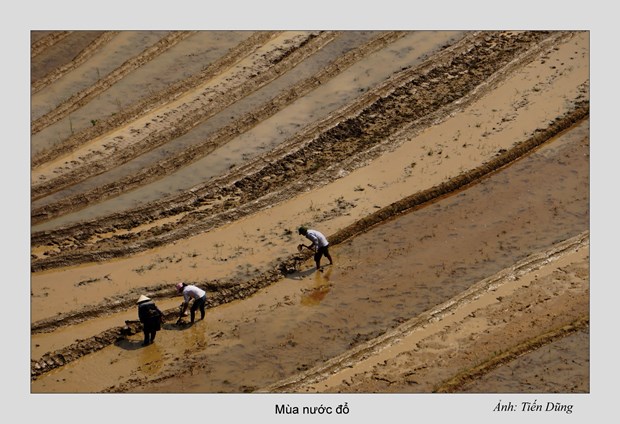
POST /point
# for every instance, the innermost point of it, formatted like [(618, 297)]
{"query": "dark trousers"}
[(319, 254), (198, 304), (150, 328), (149, 335)]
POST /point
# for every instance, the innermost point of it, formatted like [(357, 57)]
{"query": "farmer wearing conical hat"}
[(150, 317)]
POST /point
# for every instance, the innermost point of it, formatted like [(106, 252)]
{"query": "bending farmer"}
[(192, 292), (151, 318), (319, 245)]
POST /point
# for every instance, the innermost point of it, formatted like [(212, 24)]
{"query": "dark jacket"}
[(150, 315)]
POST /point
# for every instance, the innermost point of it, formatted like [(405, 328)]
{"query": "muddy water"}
[(408, 265), (341, 90), (187, 57), (385, 180), (390, 274), (121, 48), (36, 35), (197, 135), (60, 54), (550, 369), (186, 104)]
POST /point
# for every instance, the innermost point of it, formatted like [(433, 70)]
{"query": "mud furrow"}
[(131, 112), (360, 132), (82, 57), (449, 172), (222, 291), (371, 347), (226, 292), (61, 357), (47, 41), (84, 96), (152, 212), (201, 108), (415, 200), (244, 123), (457, 382), (80, 348)]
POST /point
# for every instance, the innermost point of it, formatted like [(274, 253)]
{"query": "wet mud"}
[(430, 257), (487, 184)]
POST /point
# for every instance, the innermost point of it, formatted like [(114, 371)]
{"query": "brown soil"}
[(449, 170)]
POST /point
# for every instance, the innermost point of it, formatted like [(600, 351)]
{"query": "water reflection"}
[(322, 286), (151, 358)]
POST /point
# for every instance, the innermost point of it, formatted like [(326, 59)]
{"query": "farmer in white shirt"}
[(319, 245), (192, 292)]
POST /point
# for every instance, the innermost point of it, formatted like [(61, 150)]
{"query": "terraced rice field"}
[(448, 169)]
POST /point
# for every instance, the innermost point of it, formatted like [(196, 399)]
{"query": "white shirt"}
[(192, 292), (317, 239)]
